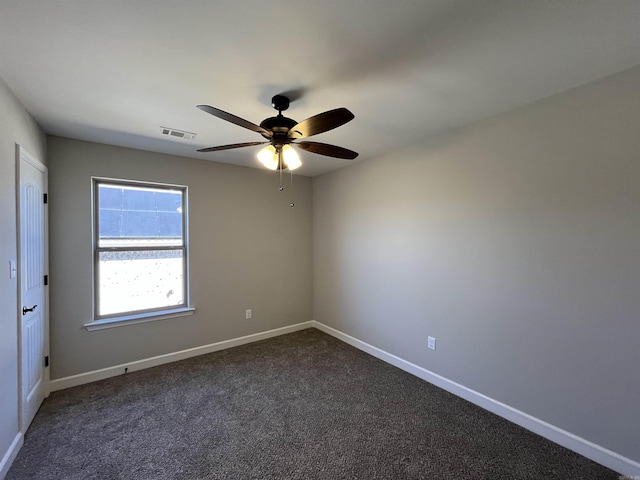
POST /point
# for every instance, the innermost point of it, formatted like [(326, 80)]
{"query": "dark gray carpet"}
[(299, 406)]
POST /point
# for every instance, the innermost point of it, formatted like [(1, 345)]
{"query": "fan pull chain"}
[(291, 204), (280, 168)]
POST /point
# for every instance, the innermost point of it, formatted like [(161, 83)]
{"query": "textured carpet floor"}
[(299, 406)]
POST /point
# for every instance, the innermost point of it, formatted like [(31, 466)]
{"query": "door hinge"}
[(46, 361), (46, 280), (46, 198)]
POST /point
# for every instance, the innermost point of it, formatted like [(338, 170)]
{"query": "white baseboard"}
[(601, 455), (10, 455), (95, 375)]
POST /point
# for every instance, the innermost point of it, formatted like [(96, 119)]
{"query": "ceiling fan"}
[(281, 132)]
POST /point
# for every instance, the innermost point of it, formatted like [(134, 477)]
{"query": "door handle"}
[(25, 310)]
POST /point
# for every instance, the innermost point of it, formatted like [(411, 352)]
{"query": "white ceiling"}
[(115, 71)]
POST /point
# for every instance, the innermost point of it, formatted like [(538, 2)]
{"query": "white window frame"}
[(145, 315)]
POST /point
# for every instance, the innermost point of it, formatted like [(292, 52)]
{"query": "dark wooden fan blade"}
[(328, 150), (229, 147), (323, 122), (216, 112)]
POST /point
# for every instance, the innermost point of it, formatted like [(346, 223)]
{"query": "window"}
[(140, 249)]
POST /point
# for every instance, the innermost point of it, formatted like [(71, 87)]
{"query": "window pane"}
[(139, 216), (135, 280)]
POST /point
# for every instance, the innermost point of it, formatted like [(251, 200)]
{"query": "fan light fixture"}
[(269, 157), (281, 132)]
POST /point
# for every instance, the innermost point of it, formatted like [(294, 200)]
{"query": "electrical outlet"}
[(431, 343), (248, 314)]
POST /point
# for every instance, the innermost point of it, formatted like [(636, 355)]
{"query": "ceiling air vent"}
[(172, 132)]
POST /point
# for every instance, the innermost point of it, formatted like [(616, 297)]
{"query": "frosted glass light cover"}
[(268, 157), (291, 158)]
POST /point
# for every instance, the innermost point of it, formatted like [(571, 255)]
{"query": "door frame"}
[(23, 155)]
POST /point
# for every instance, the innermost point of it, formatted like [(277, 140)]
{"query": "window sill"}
[(139, 318)]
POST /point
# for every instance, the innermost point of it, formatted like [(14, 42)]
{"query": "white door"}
[(33, 316)]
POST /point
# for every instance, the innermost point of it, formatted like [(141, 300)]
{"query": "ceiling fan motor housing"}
[(280, 127)]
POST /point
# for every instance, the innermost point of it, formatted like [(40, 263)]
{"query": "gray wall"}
[(248, 249), (516, 243), (17, 127)]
